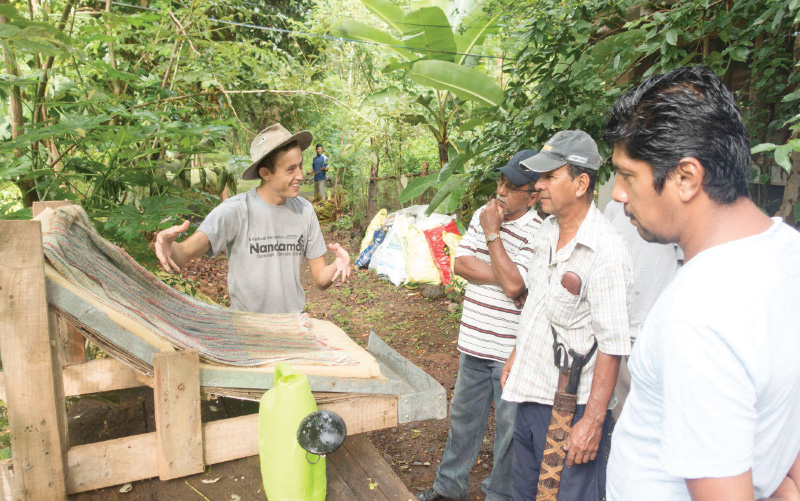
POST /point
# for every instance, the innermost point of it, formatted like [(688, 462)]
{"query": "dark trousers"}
[(585, 482)]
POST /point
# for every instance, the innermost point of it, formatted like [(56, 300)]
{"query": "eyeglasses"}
[(502, 181)]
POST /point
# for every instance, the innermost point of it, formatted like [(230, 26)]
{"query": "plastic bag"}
[(366, 256), (392, 263), (420, 267), (453, 240), (440, 251), (376, 223)]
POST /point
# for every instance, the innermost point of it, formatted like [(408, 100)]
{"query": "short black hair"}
[(269, 160), (577, 170), (686, 112), (319, 145)]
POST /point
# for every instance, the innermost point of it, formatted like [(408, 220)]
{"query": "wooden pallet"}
[(43, 361)]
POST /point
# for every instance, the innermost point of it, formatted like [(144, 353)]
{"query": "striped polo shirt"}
[(489, 319)]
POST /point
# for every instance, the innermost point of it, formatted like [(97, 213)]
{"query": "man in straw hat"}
[(266, 232)]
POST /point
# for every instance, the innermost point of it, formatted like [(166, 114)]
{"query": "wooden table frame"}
[(43, 362)]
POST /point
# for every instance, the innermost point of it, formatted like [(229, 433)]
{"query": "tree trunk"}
[(443, 157), (25, 185), (372, 193), (791, 192)]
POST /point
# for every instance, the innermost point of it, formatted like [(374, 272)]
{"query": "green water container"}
[(287, 468)]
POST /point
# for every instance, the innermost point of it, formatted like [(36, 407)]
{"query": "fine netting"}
[(75, 248)]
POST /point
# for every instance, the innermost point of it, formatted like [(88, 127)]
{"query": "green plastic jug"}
[(287, 468)]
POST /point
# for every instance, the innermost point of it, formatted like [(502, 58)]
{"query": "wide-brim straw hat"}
[(269, 140)]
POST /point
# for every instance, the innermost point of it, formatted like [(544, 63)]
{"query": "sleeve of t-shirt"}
[(221, 226), (607, 294), (709, 416), (468, 245), (524, 256), (324, 161), (316, 242)]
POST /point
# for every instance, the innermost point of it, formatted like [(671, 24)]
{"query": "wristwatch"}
[(491, 237)]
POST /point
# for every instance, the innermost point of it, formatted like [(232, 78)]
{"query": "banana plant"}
[(435, 42)]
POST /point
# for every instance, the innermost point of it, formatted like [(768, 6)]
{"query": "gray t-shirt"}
[(266, 244)]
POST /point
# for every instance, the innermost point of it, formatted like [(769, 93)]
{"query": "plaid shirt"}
[(601, 259)]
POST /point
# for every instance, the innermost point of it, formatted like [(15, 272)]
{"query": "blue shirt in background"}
[(319, 162)]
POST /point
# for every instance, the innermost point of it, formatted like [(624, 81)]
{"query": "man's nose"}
[(618, 192)]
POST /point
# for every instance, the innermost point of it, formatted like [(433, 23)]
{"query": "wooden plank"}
[(114, 462), (94, 376), (363, 469), (361, 412), (38, 207), (73, 345), (177, 407), (27, 357), (6, 480)]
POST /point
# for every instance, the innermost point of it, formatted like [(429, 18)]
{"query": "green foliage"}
[(574, 58)]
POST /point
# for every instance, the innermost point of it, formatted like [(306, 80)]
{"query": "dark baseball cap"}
[(515, 173), (566, 147)]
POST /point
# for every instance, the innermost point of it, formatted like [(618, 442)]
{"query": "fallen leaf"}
[(236, 497), (415, 433), (126, 488), (210, 481), (372, 486)]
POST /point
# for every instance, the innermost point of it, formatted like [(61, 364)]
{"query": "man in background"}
[(654, 266), (319, 167), (715, 383), (500, 232)]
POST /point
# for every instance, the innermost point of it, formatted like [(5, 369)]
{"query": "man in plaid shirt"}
[(578, 284)]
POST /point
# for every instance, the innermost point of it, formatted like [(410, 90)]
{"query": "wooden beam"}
[(27, 357), (39, 207), (361, 467), (94, 376), (177, 407), (114, 462)]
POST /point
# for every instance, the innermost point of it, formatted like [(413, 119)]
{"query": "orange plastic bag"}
[(440, 251)]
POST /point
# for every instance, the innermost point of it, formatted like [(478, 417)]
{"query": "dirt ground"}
[(422, 330)]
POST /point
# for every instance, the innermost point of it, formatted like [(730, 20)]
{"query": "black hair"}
[(269, 160), (319, 145), (686, 112), (577, 170)]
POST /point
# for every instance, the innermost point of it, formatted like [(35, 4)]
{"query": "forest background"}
[(143, 112)]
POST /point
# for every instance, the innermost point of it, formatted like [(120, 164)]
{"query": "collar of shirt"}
[(586, 236), (523, 220)]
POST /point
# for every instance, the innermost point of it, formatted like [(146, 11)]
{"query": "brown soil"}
[(422, 330)]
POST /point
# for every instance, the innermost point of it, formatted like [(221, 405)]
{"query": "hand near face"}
[(492, 217), (342, 261), (163, 245)]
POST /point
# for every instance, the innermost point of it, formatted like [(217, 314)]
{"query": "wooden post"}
[(35, 411), (72, 343), (177, 405)]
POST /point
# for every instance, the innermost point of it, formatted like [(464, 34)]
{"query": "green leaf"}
[(428, 31), (454, 184), (793, 96), (782, 157), (760, 148), (389, 13), (672, 37), (417, 187), (476, 27), (358, 31), (466, 83)]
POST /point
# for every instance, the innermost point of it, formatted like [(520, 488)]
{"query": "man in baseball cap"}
[(267, 232), (498, 235), (578, 284)]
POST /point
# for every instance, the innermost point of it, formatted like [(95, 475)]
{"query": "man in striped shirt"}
[(486, 338), (579, 284)]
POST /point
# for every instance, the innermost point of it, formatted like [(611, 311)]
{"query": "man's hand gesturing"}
[(164, 241)]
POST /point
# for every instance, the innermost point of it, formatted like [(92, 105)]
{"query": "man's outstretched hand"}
[(342, 262), (164, 241)]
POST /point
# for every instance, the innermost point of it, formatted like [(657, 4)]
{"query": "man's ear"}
[(688, 176), (533, 197), (583, 185)]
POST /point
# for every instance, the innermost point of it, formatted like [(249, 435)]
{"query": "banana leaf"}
[(466, 83)]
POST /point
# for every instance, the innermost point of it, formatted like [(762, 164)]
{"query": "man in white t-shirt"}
[(714, 407)]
